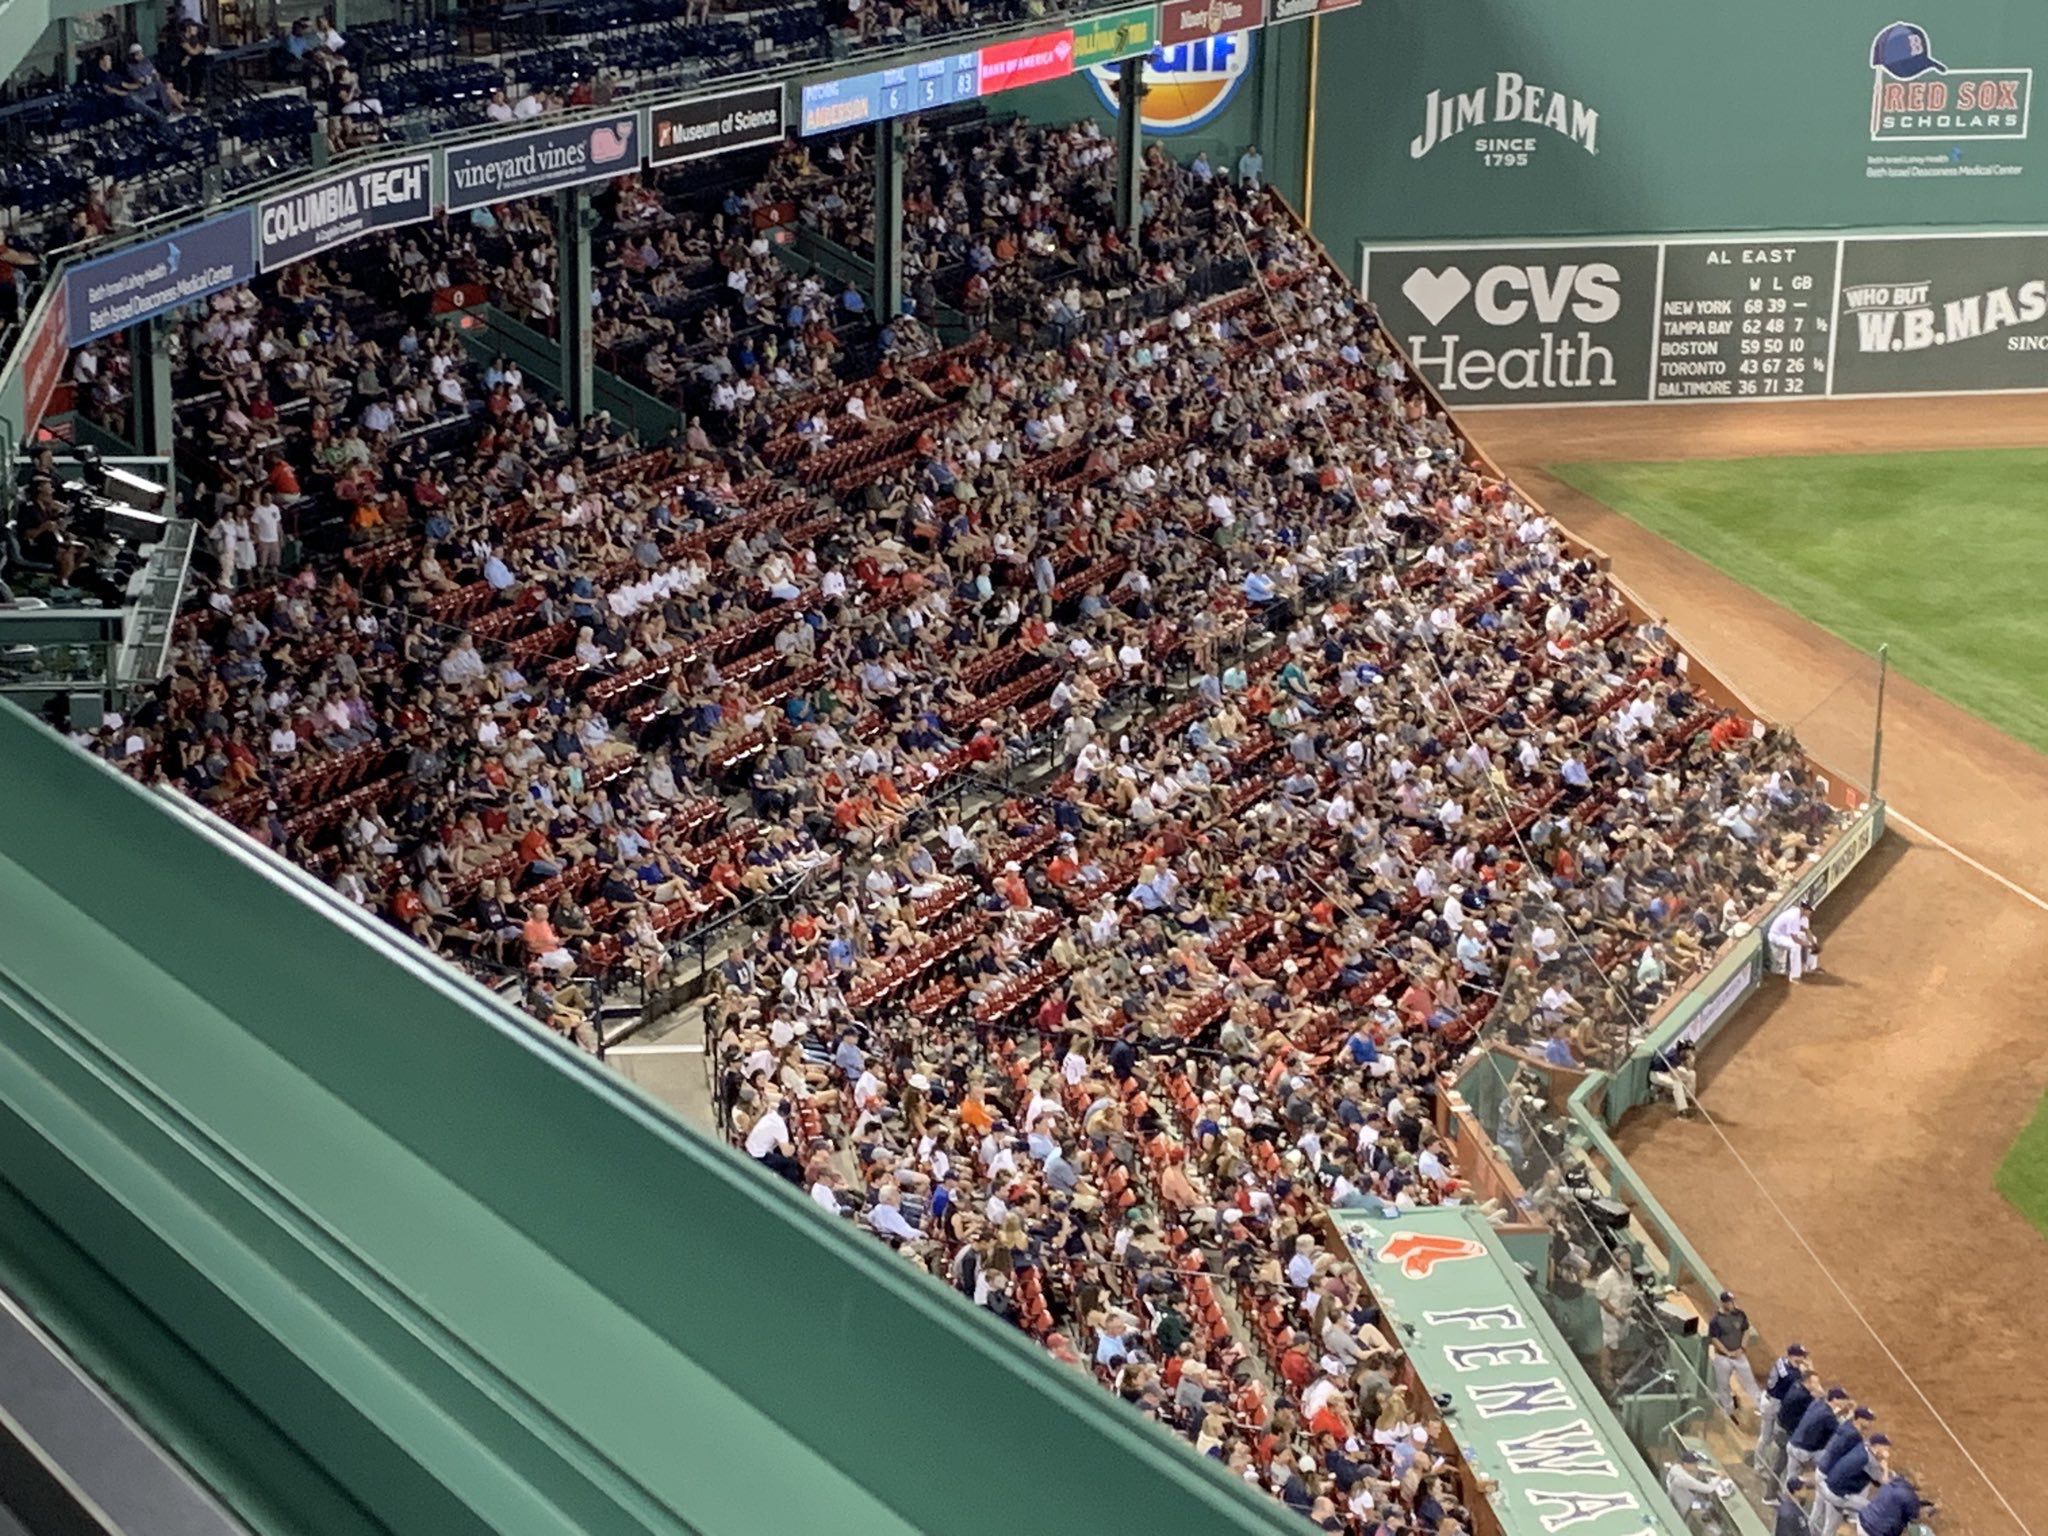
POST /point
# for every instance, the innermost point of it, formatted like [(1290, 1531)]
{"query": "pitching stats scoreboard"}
[(1750, 317)]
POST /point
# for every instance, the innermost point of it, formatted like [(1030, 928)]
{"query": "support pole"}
[(148, 16), (1276, 51), (155, 410), (1308, 134), (1884, 667), (887, 296), (1130, 146), (579, 351)]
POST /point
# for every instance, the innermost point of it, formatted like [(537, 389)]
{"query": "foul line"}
[(1833, 1280), (1892, 814), (655, 1050)]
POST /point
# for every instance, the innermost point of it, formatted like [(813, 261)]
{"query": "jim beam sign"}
[(1509, 122)]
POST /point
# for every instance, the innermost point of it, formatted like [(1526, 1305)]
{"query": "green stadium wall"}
[(1748, 115)]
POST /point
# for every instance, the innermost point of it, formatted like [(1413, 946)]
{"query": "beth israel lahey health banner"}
[(1517, 120)]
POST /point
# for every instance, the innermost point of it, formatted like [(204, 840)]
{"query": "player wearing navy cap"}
[(1802, 1394), (1815, 1428), (1783, 1377), (1851, 1481), (1847, 1433), (1844, 1445)]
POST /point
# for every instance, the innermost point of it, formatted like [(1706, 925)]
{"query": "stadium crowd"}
[(1146, 750), (133, 123)]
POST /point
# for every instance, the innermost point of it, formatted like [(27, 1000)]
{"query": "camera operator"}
[(51, 538)]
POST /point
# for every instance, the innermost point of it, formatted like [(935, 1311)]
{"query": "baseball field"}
[(1871, 1176), (1938, 555)]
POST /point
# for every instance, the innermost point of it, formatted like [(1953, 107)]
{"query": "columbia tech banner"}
[(1514, 119)]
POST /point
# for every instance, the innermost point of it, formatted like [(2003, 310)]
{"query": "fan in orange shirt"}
[(1727, 731), (974, 1112), (1011, 887)]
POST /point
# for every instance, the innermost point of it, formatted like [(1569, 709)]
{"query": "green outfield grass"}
[(2023, 1175), (1944, 556)]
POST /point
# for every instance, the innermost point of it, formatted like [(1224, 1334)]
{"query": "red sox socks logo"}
[(1420, 1252)]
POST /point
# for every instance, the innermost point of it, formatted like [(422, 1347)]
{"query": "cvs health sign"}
[(1521, 325)]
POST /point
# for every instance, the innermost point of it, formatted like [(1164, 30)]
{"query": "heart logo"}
[(1436, 294)]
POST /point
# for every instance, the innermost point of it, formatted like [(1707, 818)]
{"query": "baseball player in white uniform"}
[(1791, 940)]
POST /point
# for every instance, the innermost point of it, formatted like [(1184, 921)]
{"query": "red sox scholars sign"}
[(1919, 97)]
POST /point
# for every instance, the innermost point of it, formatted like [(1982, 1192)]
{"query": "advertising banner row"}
[(135, 284), (1166, 33), (1751, 317)]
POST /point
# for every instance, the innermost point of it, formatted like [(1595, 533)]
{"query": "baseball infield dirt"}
[(1841, 1179)]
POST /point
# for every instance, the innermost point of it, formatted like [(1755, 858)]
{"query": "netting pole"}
[(1884, 667)]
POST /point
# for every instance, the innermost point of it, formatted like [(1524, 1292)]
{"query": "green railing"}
[(372, 1253)]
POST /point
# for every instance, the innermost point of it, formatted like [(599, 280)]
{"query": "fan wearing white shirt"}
[(768, 1144)]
